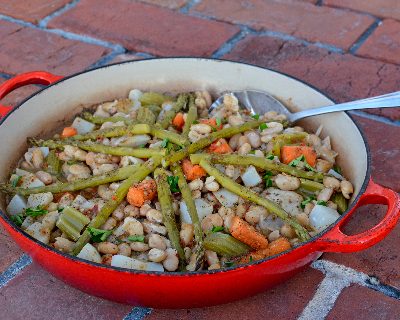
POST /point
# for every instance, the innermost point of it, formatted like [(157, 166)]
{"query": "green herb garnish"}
[(270, 156), (263, 126), (217, 228), (307, 200), (229, 264), (251, 259), (164, 143), (136, 238), (295, 162), (218, 121), (35, 212), (173, 183), (18, 219), (322, 203), (337, 169), (99, 235), (255, 116), (196, 122)]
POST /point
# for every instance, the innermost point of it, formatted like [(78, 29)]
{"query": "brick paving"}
[(349, 49)]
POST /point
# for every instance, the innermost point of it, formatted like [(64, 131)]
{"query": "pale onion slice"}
[(226, 198), (250, 177), (40, 199), (16, 205), (335, 174), (82, 126), (90, 253), (130, 263), (321, 217), (203, 209)]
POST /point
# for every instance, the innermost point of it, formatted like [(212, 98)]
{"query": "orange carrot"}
[(69, 132), (279, 245), (178, 121), (244, 232), (139, 194), (289, 153), (212, 123), (220, 146), (191, 171), (275, 247)]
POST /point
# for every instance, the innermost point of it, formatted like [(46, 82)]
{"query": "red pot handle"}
[(35, 77), (336, 241)]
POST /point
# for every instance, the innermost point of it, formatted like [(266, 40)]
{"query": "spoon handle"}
[(389, 100)]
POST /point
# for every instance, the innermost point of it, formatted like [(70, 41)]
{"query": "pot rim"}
[(312, 240)]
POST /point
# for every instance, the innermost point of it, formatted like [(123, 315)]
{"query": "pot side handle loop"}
[(336, 241), (35, 77)]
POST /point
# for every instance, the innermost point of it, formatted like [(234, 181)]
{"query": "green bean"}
[(171, 136), (187, 197), (101, 148), (141, 172), (145, 115), (340, 201), (224, 244), (247, 194), (154, 108), (76, 185), (258, 162), (114, 132), (190, 117), (204, 142), (170, 114), (53, 163), (154, 98), (164, 197), (286, 138), (100, 120), (311, 186)]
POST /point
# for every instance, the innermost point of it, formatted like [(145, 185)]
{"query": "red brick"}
[(9, 251), (356, 302), (171, 4), (35, 294), (32, 10), (17, 96), (283, 302), (304, 20), (29, 49), (384, 43), (146, 28), (383, 9), (343, 77), (125, 57)]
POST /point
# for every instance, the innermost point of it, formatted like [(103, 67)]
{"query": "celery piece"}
[(225, 244), (71, 222)]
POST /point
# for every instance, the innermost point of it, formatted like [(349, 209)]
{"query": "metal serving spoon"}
[(260, 102)]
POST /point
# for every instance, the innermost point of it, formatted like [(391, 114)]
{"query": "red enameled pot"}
[(43, 112)]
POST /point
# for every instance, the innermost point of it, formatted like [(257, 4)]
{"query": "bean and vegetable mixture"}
[(155, 182)]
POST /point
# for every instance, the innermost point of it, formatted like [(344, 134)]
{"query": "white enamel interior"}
[(45, 111)]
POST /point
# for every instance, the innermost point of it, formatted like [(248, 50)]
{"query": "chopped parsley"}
[(322, 203), (270, 156), (142, 146), (295, 162), (251, 259), (337, 169), (18, 219), (252, 152), (173, 183), (164, 143), (307, 200), (35, 212), (99, 235), (256, 116), (229, 264), (60, 210), (217, 228), (136, 238), (268, 183), (218, 121), (195, 122), (263, 126), (267, 179)]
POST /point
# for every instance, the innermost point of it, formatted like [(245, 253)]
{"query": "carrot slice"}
[(191, 171), (220, 146), (275, 247), (244, 232), (69, 132), (212, 123), (178, 121), (142, 192), (289, 153)]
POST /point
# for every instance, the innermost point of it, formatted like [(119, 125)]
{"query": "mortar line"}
[(189, 5), (12, 271), (5, 75), (65, 34), (138, 313), (105, 59), (361, 40), (228, 45), (319, 3), (375, 117), (43, 22)]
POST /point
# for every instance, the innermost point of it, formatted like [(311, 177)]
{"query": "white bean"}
[(154, 215), (44, 177), (211, 184), (196, 184), (287, 183), (235, 120), (273, 128), (157, 241), (234, 141), (254, 139), (37, 158), (131, 211), (139, 246), (242, 140), (133, 227), (244, 149), (210, 221), (64, 245), (186, 233), (110, 224), (325, 194), (274, 235), (171, 262), (347, 188), (287, 231), (124, 249), (156, 255), (331, 182), (107, 248)]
